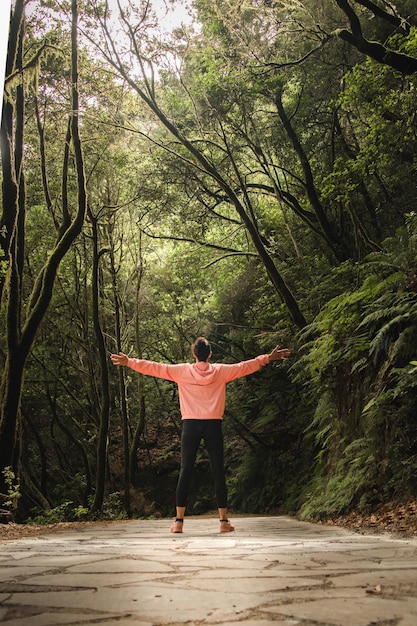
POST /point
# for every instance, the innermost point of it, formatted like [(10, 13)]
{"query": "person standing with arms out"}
[(202, 396)]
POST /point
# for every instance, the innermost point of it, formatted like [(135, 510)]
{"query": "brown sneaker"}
[(177, 526), (226, 526)]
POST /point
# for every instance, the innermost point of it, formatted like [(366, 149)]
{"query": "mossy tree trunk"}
[(20, 335)]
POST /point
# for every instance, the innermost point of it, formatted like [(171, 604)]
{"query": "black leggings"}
[(193, 431)]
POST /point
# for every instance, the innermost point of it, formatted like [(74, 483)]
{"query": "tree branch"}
[(399, 22), (403, 63), (204, 244)]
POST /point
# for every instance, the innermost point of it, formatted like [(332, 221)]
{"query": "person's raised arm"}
[(279, 354)]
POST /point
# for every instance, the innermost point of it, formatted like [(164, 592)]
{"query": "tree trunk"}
[(333, 240), (140, 424), (120, 374), (31, 491), (10, 179), (19, 343), (77, 442), (12, 155), (371, 210), (104, 401), (34, 434)]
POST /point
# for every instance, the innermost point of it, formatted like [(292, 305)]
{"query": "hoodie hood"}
[(203, 372)]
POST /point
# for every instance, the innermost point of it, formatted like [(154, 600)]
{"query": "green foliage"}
[(13, 493), (113, 508), (357, 355), (375, 109), (352, 482), (3, 263), (70, 512), (65, 512), (184, 264)]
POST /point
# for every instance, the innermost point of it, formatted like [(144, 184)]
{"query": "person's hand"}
[(119, 359), (279, 354)]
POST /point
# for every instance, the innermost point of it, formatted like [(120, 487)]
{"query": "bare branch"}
[(203, 244)]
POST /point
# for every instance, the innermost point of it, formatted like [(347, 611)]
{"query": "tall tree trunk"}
[(104, 400), (120, 374), (19, 342), (140, 424), (8, 137), (12, 155)]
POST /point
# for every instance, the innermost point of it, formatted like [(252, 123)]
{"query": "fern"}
[(356, 364)]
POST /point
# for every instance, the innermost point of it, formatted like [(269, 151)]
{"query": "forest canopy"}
[(247, 174)]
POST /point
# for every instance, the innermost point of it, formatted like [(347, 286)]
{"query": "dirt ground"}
[(395, 518)]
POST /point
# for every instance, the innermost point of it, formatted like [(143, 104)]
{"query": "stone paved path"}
[(270, 570)]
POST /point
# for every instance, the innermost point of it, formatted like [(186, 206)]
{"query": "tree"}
[(20, 337), (271, 53), (103, 385), (266, 139), (201, 159)]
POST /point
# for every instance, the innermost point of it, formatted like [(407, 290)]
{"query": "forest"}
[(248, 174)]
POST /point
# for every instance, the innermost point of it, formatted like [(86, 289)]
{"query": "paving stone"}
[(343, 612), (53, 619), (12, 572), (270, 570)]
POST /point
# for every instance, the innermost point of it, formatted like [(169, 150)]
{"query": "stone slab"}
[(270, 570)]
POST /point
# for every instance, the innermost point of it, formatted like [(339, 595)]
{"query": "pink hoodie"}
[(201, 385)]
